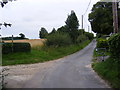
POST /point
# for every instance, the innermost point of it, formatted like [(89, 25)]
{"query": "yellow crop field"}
[(33, 42)]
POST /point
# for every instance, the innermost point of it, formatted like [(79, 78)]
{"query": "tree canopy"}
[(43, 33), (72, 25), (53, 31), (101, 18), (72, 22)]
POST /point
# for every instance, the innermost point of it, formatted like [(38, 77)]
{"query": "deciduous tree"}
[(101, 18), (43, 33)]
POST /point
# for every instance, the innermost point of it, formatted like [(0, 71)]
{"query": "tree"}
[(101, 18), (72, 25), (53, 31), (81, 31), (72, 22), (63, 29), (43, 33), (22, 36)]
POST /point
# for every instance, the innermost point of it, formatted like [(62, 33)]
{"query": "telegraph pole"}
[(12, 44), (82, 21), (115, 16), (88, 28)]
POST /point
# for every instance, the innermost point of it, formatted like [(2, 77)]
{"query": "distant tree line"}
[(22, 36), (70, 32)]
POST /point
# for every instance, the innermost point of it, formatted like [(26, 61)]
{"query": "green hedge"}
[(58, 39), (90, 36), (114, 45), (102, 43), (81, 38), (17, 47)]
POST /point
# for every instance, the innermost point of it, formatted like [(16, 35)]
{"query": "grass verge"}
[(108, 70), (41, 54)]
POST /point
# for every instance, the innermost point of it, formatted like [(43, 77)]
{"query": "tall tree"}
[(72, 21), (53, 31), (72, 25), (43, 33), (101, 18), (63, 29)]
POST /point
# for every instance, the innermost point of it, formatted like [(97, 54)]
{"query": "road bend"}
[(73, 71)]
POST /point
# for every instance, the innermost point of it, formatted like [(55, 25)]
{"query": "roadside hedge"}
[(17, 47), (102, 43), (89, 35), (114, 45), (81, 39), (58, 40)]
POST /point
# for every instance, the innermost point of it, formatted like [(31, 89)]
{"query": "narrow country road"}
[(73, 71)]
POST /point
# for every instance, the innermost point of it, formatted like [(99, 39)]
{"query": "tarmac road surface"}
[(73, 71)]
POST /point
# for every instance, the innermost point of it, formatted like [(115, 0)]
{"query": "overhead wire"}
[(87, 25), (87, 7)]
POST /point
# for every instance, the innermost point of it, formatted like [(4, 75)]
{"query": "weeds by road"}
[(108, 70), (41, 54)]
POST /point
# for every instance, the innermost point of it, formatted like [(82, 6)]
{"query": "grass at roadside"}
[(41, 54), (99, 53), (108, 70)]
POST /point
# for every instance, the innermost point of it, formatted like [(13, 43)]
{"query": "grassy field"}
[(41, 54), (108, 70), (33, 42)]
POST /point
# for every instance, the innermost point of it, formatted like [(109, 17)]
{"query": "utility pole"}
[(88, 28), (12, 44), (82, 21), (115, 16)]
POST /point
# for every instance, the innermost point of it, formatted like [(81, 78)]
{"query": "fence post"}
[(12, 44)]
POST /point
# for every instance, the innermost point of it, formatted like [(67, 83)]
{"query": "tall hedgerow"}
[(114, 45), (58, 40)]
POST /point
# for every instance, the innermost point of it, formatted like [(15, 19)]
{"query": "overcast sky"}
[(28, 16)]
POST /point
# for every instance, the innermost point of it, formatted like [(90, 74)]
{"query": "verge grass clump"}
[(41, 54), (58, 40), (109, 71)]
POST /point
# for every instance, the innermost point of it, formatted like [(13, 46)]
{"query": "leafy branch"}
[(4, 2), (5, 24)]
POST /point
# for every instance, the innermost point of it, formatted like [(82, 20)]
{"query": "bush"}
[(17, 47), (89, 35), (102, 43), (81, 38), (58, 40), (114, 45)]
